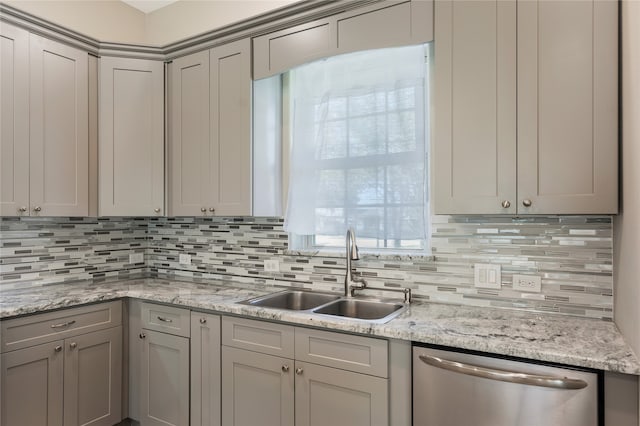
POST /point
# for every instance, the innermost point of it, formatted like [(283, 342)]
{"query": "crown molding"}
[(290, 15)]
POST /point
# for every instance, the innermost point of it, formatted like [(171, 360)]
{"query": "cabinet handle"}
[(73, 345), (212, 210), (63, 324), (526, 202), (57, 348), (37, 209), (157, 210), (22, 209), (163, 319), (142, 335), (299, 371), (203, 210), (285, 368), (506, 204), (203, 320)]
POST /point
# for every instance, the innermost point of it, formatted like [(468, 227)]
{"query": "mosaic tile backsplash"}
[(572, 254)]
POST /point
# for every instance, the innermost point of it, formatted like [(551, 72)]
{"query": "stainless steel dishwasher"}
[(461, 389)]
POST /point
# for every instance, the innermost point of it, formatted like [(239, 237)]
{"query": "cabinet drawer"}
[(36, 329), (166, 319), (258, 336), (353, 353)]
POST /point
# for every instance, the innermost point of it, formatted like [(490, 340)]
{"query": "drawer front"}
[(258, 336), (354, 353), (36, 329), (166, 319)]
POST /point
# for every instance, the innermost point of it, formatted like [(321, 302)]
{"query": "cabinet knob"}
[(526, 202), (203, 210), (73, 345), (203, 320), (157, 210), (142, 335), (212, 210), (57, 348), (37, 209), (22, 209), (285, 368), (299, 371), (506, 204)]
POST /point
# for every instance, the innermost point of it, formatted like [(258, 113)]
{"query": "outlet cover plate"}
[(487, 275), (272, 265), (185, 259), (531, 283), (136, 258)]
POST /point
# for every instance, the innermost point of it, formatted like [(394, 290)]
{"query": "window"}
[(357, 126)]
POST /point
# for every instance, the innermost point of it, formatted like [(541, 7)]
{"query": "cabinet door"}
[(164, 380), (14, 121), (205, 369), (257, 389), (329, 396), (131, 146), (230, 186), (32, 386), (567, 107), (93, 378), (474, 145), (189, 147), (59, 129)]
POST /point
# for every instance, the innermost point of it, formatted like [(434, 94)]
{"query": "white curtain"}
[(358, 155)]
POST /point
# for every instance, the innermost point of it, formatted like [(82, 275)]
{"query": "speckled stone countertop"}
[(561, 339)]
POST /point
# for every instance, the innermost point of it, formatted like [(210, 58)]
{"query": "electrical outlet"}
[(185, 259), (136, 258), (487, 275), (530, 283), (272, 265)]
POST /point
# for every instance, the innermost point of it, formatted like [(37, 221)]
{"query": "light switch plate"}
[(272, 265), (530, 283), (185, 259), (487, 275), (136, 258)]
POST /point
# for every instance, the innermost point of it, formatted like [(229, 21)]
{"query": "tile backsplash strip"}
[(572, 254), (38, 251)]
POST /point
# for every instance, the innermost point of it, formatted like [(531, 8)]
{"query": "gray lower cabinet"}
[(32, 386), (205, 369), (268, 379), (257, 389)]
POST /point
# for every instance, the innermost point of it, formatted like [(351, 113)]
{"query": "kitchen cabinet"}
[(553, 148), (63, 368), (131, 137), (276, 374), (210, 145), (44, 140), (164, 366), (384, 24), (205, 369)]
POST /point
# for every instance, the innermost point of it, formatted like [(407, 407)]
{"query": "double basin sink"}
[(375, 311)]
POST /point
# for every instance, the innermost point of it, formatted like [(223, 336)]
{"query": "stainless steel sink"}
[(369, 310), (293, 300)]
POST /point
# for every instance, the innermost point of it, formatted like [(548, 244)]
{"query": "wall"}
[(104, 20), (627, 224)]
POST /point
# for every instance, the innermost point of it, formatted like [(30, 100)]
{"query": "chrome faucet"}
[(352, 283)]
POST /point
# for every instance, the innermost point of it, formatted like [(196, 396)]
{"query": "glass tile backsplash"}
[(572, 254)]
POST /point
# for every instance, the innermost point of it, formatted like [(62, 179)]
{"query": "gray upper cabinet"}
[(210, 145), (131, 137), (384, 24), (44, 142), (568, 107), (551, 150)]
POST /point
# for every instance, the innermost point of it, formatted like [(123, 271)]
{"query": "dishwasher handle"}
[(503, 375)]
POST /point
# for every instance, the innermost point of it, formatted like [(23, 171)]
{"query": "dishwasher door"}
[(459, 389)]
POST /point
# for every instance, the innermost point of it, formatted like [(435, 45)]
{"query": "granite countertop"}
[(561, 339)]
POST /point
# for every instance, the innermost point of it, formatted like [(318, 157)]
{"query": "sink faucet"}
[(352, 283)]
